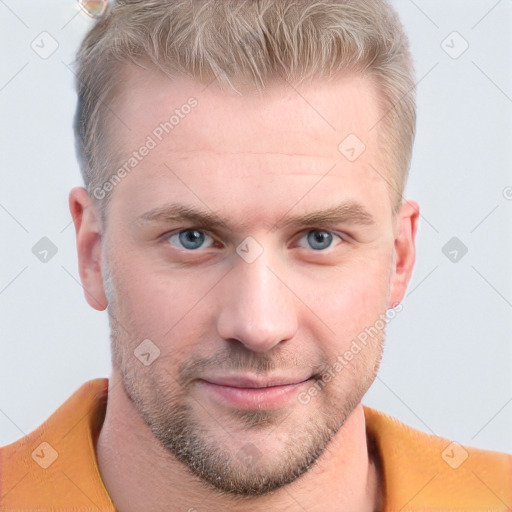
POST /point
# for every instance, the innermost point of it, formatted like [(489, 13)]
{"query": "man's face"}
[(258, 295)]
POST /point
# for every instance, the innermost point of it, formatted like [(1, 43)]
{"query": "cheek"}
[(351, 296), (166, 307), (142, 300)]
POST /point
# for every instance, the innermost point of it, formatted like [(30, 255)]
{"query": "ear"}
[(89, 244), (404, 250)]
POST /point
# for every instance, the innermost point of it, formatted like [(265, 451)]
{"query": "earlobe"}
[(89, 246), (404, 250)]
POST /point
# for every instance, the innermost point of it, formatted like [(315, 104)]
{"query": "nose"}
[(256, 306)]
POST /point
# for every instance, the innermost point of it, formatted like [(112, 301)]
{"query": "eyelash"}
[(342, 238)]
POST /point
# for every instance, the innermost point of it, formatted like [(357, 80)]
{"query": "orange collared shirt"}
[(54, 468)]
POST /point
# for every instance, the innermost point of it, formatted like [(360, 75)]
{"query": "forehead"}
[(320, 111), (218, 141)]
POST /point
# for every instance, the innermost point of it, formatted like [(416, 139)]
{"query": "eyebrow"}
[(344, 213)]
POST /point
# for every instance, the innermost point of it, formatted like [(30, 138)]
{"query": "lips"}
[(250, 392), (241, 381)]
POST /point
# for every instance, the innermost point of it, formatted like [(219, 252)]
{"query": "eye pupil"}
[(319, 239), (191, 239)]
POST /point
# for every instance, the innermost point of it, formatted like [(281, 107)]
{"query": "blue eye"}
[(190, 239), (319, 239)]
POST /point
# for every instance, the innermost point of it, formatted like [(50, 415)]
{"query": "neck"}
[(140, 474)]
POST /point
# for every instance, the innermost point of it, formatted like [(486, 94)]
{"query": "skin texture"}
[(254, 160)]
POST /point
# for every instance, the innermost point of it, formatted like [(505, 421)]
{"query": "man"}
[(243, 224)]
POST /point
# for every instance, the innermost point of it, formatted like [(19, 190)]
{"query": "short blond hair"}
[(247, 42)]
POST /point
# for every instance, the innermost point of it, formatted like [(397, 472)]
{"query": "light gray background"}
[(447, 364)]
